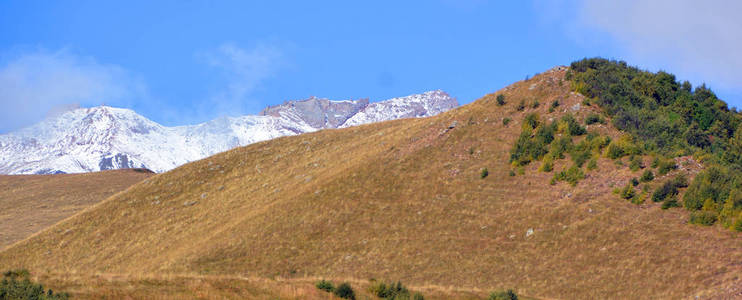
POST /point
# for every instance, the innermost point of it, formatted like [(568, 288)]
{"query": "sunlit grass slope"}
[(30, 203)]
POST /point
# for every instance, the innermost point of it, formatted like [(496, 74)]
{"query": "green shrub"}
[(555, 104), (505, 121), (16, 284), (345, 291), (521, 105), (511, 173), (483, 174), (535, 104), (560, 146), (635, 163), (738, 224), (634, 181), (594, 118), (670, 202), (666, 166), (500, 99), (667, 189), (628, 192), (572, 175), (503, 295), (569, 125), (532, 121), (592, 164), (647, 176), (391, 291), (547, 165), (418, 296), (707, 218), (325, 285)]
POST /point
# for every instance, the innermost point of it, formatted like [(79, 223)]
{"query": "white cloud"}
[(245, 70), (33, 83), (698, 39)]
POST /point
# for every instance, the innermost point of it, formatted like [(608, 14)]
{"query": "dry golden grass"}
[(399, 200), (30, 203)]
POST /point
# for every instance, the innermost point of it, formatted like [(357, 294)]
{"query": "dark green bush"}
[(483, 173), (667, 189), (503, 295), (506, 121), (665, 166), (707, 218), (670, 202), (345, 291), (647, 176), (628, 192), (16, 284), (391, 291), (592, 164), (500, 99), (325, 285), (635, 163), (594, 118), (521, 105), (573, 127), (634, 181), (572, 175)]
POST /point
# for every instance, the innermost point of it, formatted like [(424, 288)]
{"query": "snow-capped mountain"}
[(103, 138)]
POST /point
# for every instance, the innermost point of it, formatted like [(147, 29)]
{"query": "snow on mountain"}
[(413, 106), (102, 138)]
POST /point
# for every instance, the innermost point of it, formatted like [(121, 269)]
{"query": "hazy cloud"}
[(698, 38), (244, 70), (32, 84)]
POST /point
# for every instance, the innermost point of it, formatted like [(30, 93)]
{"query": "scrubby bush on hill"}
[(345, 291), (647, 176), (325, 285), (500, 99), (393, 291), (594, 118), (16, 284), (572, 175), (503, 295), (671, 119)]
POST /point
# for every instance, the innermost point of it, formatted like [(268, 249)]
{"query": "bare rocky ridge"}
[(104, 138)]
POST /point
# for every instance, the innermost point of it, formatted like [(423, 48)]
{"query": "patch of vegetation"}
[(325, 285), (506, 121), (500, 99), (345, 291), (503, 295), (647, 176), (594, 118), (483, 174), (671, 119), (393, 291), (16, 284), (707, 218), (666, 190), (572, 175), (521, 105), (554, 105)]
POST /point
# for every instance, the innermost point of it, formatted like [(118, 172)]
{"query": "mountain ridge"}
[(103, 138)]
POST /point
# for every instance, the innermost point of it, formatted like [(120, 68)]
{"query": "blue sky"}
[(183, 62)]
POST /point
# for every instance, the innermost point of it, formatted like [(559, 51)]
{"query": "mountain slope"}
[(401, 200), (103, 138), (30, 203)]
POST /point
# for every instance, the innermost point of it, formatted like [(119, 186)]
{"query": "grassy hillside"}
[(403, 200), (30, 203)]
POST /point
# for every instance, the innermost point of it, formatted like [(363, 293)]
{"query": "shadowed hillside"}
[(403, 200), (30, 203)]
